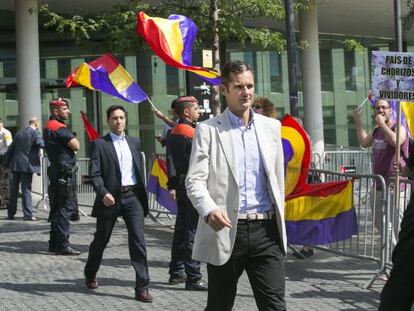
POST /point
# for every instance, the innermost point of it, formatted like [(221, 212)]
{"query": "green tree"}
[(217, 20)]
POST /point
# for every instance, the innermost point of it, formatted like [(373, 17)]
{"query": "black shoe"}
[(177, 280), (199, 285), (303, 253), (51, 249), (68, 251), (10, 217)]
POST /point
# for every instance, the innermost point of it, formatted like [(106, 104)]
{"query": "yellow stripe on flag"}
[(121, 79), (159, 173), (317, 208), (83, 76)]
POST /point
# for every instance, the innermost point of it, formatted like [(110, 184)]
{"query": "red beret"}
[(58, 102), (183, 99)]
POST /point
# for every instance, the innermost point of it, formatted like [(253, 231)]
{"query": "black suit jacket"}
[(23, 154), (105, 174)]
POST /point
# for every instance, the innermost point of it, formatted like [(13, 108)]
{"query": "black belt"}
[(128, 188)]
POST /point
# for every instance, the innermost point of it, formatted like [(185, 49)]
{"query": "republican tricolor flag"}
[(315, 214), (107, 75), (172, 40), (157, 184)]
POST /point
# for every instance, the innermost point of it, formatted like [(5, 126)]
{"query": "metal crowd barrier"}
[(156, 211), (85, 193), (336, 160), (369, 243)]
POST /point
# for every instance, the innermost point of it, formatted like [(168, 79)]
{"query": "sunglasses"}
[(257, 107)]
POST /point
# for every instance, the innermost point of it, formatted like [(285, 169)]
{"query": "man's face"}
[(62, 112), (193, 112), (117, 121), (239, 93), (383, 108)]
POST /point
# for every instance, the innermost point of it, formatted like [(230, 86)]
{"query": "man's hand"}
[(217, 220), (173, 195), (404, 171), (380, 120), (357, 113), (108, 200)]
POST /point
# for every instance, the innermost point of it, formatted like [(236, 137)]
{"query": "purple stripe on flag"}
[(188, 33), (134, 94), (100, 80), (162, 195), (323, 231)]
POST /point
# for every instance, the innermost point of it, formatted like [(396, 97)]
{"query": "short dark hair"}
[(113, 108), (233, 67), (179, 104)]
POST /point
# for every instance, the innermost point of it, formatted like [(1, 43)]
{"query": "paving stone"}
[(31, 278)]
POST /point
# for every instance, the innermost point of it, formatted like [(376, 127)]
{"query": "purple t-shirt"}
[(383, 154)]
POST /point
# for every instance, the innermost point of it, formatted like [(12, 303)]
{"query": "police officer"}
[(179, 141), (61, 146)]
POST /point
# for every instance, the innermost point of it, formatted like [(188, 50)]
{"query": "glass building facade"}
[(345, 81)]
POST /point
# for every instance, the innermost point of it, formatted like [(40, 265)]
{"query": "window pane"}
[(172, 81), (326, 69), (9, 71), (350, 70), (64, 69), (276, 78)]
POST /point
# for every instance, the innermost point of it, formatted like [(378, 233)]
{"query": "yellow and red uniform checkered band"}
[(186, 99), (58, 102)]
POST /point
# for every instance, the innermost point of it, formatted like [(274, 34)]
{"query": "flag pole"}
[(152, 105)]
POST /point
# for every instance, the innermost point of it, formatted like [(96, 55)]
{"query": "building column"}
[(27, 61), (311, 78)]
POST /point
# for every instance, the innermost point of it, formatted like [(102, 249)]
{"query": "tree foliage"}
[(115, 28)]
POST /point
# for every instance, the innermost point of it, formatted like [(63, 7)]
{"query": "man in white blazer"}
[(236, 182)]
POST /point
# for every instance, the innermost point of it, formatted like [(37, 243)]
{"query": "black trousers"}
[(256, 250), (183, 239), (133, 215), (62, 203), (398, 292)]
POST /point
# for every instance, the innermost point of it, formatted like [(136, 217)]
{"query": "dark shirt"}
[(179, 146), (56, 136)]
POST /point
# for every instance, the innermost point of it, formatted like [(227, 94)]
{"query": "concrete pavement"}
[(33, 279)]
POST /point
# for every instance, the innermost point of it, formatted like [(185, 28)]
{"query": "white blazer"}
[(212, 182)]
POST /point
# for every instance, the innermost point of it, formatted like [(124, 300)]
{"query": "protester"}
[(398, 292), (61, 145), (117, 176), (383, 140), (264, 106), (5, 142), (23, 159), (236, 182), (179, 141)]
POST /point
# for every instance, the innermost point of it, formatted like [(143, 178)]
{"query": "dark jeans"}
[(61, 199), (398, 292), (256, 250), (183, 240), (25, 179), (133, 215)]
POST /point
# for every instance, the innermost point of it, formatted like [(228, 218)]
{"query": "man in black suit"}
[(23, 158), (117, 176)]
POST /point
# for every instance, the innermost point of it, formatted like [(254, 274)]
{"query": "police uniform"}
[(182, 267), (62, 181)]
